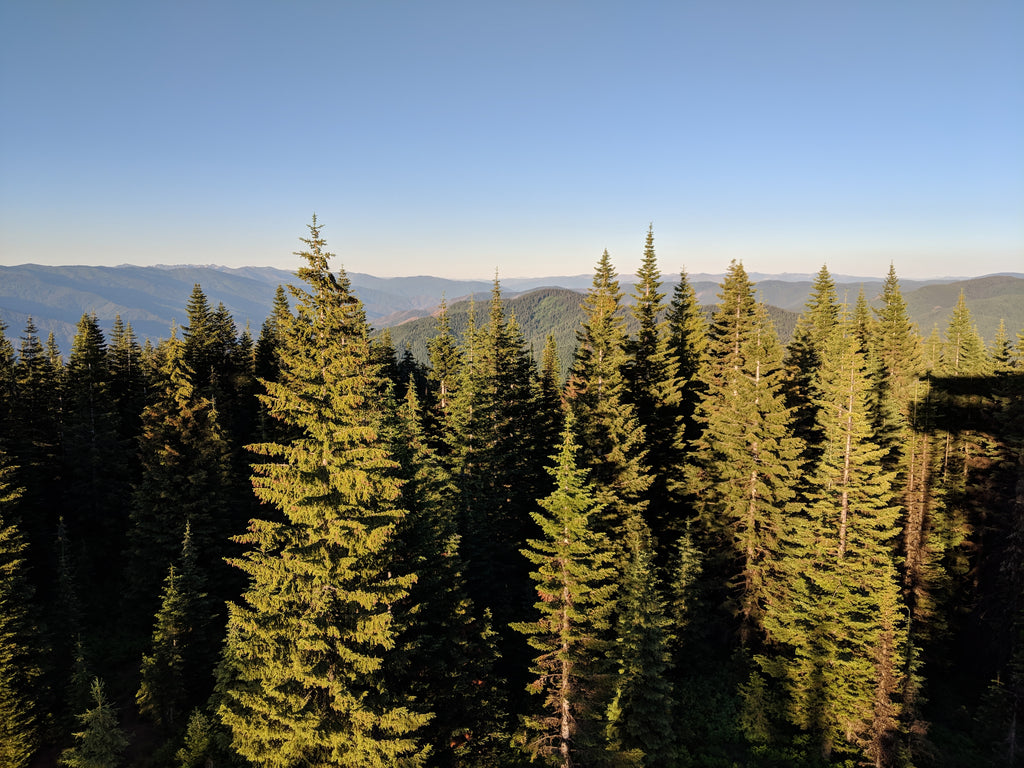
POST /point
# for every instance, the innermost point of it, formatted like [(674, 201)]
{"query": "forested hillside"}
[(686, 543)]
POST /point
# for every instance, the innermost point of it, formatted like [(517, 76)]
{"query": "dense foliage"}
[(660, 538)]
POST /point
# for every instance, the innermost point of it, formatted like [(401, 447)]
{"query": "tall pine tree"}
[(306, 651), (745, 464), (575, 597), (838, 610)]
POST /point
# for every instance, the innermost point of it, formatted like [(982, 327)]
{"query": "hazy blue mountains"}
[(152, 299)]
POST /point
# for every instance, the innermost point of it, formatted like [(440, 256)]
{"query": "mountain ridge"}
[(153, 298)]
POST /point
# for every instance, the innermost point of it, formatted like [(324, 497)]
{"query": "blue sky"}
[(460, 138)]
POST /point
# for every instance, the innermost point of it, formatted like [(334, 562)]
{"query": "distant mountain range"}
[(154, 298)]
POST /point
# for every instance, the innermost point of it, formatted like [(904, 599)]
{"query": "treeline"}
[(698, 548)]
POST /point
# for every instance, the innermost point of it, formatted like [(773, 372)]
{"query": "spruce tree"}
[(575, 595), (839, 611), (19, 671), (186, 480), (612, 443), (745, 464), (268, 362), (492, 438), (550, 400), (1001, 351), (445, 364), (96, 475), (127, 384), (179, 658), (101, 742), (305, 658), (687, 348), (35, 440), (450, 652), (641, 713), (804, 354), (652, 387)]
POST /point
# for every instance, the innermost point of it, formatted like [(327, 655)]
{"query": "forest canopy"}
[(664, 537)]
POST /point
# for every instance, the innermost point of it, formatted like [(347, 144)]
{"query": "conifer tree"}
[(179, 657), (804, 354), (127, 384), (304, 666), (964, 352), (35, 440), (7, 380), (840, 612), (896, 353), (931, 351), (611, 439), (200, 338), (268, 362), (687, 347), (19, 671), (101, 742), (491, 432), (445, 363), (964, 455), (1001, 352), (550, 400), (863, 325), (653, 389), (641, 713), (96, 476), (745, 463), (186, 480), (574, 583), (451, 653)]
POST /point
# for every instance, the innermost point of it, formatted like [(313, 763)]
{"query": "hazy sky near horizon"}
[(460, 138)]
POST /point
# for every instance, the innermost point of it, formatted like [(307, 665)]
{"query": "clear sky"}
[(457, 138)]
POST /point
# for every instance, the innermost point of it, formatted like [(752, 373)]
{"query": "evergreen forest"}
[(692, 546)]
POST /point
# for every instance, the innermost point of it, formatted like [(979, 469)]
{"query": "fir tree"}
[(7, 381), (101, 742), (451, 653), (186, 480), (896, 356), (96, 476), (179, 657), (931, 351), (687, 347), (445, 363), (653, 389), (805, 352), (745, 464), (840, 611), (964, 352), (127, 384), (573, 579), (35, 440), (19, 673), (1001, 351), (304, 665), (550, 401), (491, 432), (611, 438), (863, 325), (268, 345), (200, 339), (641, 713)]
